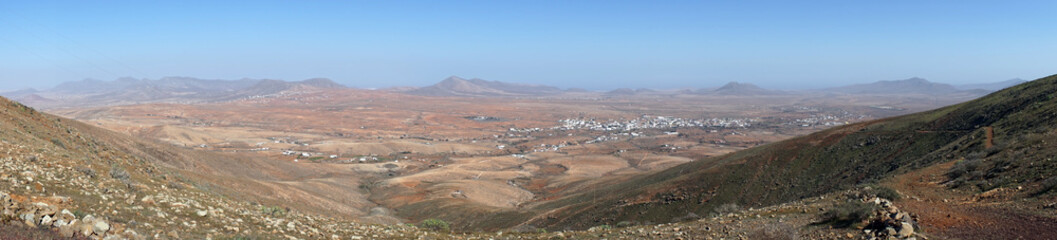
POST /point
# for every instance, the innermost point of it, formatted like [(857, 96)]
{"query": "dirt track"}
[(948, 214)]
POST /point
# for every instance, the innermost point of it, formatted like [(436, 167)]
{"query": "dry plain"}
[(372, 155)]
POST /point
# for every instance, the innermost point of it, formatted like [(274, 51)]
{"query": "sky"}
[(585, 44)]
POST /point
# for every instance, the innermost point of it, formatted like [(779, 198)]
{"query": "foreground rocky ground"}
[(47, 197), (44, 194)]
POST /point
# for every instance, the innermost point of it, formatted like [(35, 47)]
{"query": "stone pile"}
[(889, 222), (44, 215)]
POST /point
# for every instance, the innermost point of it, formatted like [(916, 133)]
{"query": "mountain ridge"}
[(910, 85), (457, 86), (92, 92)]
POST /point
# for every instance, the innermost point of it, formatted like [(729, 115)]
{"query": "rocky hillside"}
[(67, 179)]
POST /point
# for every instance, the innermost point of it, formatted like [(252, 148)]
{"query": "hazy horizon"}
[(528, 83), (591, 45)]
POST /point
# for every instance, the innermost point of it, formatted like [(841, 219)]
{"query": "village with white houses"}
[(643, 122)]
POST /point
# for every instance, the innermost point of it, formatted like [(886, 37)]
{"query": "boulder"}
[(906, 230), (100, 227), (88, 218), (47, 210), (30, 219), (67, 216), (85, 228), (67, 231), (46, 220)]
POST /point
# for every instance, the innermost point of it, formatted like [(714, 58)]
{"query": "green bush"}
[(435, 225), (964, 168), (274, 211), (882, 192)]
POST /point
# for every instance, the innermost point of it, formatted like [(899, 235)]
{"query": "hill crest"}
[(910, 85), (457, 86)]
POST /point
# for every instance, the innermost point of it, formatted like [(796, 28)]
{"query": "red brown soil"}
[(990, 137), (950, 214)]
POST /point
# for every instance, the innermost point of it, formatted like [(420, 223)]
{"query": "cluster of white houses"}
[(644, 122), (653, 122)]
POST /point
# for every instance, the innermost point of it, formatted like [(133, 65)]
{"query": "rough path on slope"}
[(953, 214)]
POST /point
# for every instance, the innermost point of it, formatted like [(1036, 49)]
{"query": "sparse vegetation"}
[(1046, 186), (119, 173), (845, 215), (274, 211), (725, 209), (965, 168), (88, 171), (58, 142), (435, 225), (882, 192)]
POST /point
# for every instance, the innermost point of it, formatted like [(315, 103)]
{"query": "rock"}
[(47, 210), (46, 220), (88, 218), (30, 219), (100, 227), (67, 231), (114, 237), (906, 230), (59, 223), (67, 216), (85, 228), (130, 234), (202, 213), (149, 199)]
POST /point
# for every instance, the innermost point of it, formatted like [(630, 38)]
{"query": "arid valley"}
[(471, 152), (508, 120)]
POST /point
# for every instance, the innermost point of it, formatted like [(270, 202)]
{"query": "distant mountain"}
[(91, 92), (731, 89), (167, 84), (912, 85), (995, 86), (742, 89), (456, 86), (19, 93)]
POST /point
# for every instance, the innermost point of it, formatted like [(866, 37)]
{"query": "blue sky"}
[(588, 44)]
